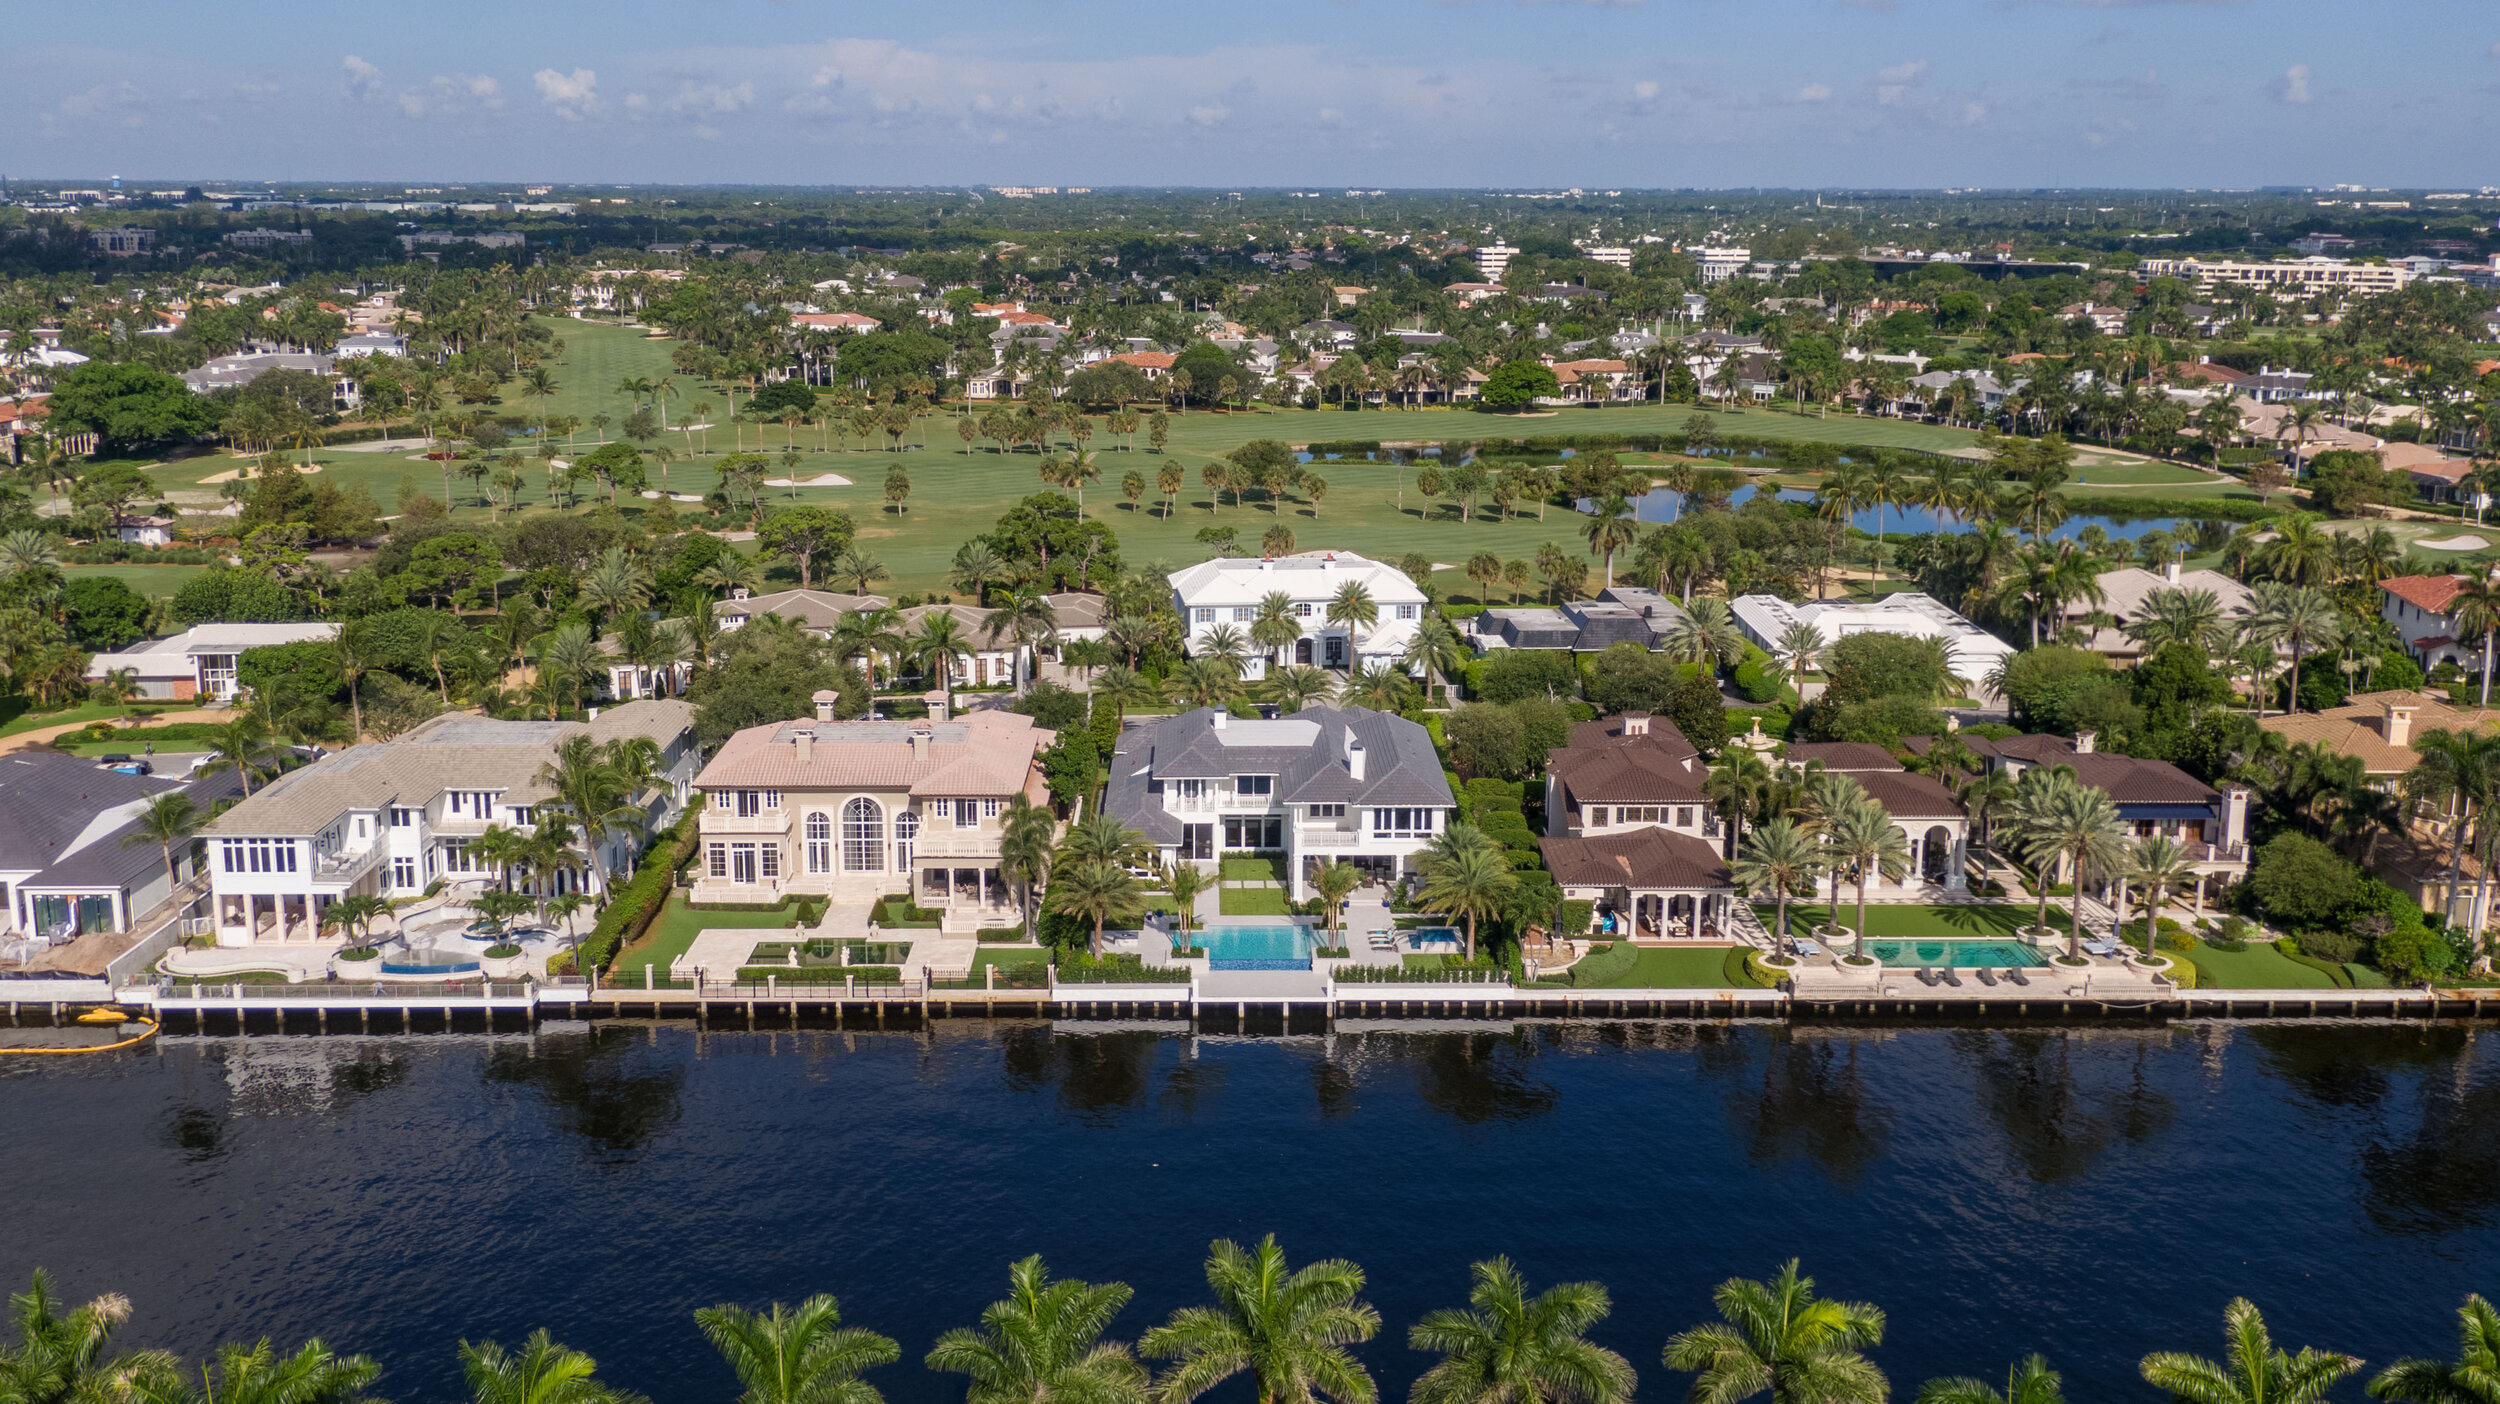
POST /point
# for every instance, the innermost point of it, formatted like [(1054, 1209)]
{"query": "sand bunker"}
[(655, 495), (233, 473), (2454, 543), (820, 480)]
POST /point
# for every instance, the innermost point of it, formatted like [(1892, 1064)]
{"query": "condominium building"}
[(1720, 264), (1493, 260), (388, 818), (2299, 277)]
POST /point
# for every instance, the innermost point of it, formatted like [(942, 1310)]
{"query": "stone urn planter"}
[(2041, 936), (512, 967), (1840, 940)]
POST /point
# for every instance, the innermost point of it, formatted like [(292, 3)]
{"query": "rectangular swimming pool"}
[(1275, 946), (1962, 954)]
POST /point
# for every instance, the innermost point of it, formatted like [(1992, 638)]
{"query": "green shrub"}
[(632, 908), (1117, 968), (1572, 917), (1758, 676), (783, 904), (892, 912), (1000, 934), (1745, 970), (820, 974), (2333, 969), (1603, 963)]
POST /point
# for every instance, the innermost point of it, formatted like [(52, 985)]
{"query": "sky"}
[(1307, 93)]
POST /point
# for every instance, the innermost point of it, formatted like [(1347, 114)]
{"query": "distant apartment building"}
[(2298, 277), (1493, 260), (1720, 264), (1619, 257)]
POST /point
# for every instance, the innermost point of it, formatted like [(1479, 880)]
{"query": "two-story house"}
[(1933, 824), (64, 870), (2419, 607), (1229, 592), (1629, 829), (200, 661), (389, 818), (1324, 785), (855, 810), (2153, 797)]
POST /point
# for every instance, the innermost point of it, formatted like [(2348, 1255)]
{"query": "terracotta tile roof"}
[(1641, 859), (1144, 360), (1606, 763), (2359, 727), (1842, 755), (2431, 592), (982, 753)]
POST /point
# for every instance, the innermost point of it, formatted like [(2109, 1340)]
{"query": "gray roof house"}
[(1323, 785), (63, 868), (1620, 614)]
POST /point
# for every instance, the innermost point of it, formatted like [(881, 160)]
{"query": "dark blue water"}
[(1663, 505), (2094, 1195)]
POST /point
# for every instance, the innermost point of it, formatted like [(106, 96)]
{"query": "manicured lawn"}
[(2166, 492), (1005, 957), (2133, 474), (2260, 967), (1244, 868), (1674, 968), (92, 711), (1895, 921), (675, 931), (151, 580), (1254, 901)]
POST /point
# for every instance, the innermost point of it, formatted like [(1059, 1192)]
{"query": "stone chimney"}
[(2399, 724), (825, 700), (920, 737), (805, 739), (1217, 719), (1353, 756), (2084, 741), (941, 705), (2170, 570)]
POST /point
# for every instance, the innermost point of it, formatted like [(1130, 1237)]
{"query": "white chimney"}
[(741, 592), (591, 713), (1353, 757), (2170, 570), (825, 699), (2083, 742), (2399, 725), (1635, 724), (920, 736), (1217, 720), (805, 739), (939, 703)]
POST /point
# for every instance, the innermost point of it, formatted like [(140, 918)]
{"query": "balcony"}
[(343, 869), (771, 821), (1331, 839)]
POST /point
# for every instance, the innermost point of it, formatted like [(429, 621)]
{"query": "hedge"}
[(1758, 677), (1009, 934), (820, 974), (1745, 969), (2332, 970), (1572, 917), (782, 905), (632, 908), (2195, 509), (1603, 964)]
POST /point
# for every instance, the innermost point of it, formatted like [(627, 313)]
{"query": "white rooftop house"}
[(200, 660), (1973, 652), (1226, 593)]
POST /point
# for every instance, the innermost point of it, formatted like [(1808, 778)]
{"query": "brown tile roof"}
[(1605, 764), (1643, 858), (2431, 592), (2127, 779), (1842, 755), (2359, 727), (1907, 796), (981, 753)]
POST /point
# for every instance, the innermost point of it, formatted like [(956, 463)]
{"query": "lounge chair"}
[(2014, 973), (1985, 977), (1926, 975), (1950, 977), (1808, 948)]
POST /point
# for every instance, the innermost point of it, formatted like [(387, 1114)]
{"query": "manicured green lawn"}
[(22, 722), (152, 580), (1005, 957), (1673, 968), (2260, 967), (2131, 474), (1254, 901), (675, 931), (1247, 868), (2166, 492), (1978, 921)]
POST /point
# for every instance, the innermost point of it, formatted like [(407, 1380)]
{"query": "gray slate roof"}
[(49, 802), (1306, 752)]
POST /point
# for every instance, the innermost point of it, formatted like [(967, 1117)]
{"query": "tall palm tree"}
[(1206, 682), (1334, 882), (258, 1374), (2476, 607), (243, 746), (797, 1355), (2176, 614), (1611, 528), (1227, 645), (594, 788), (62, 1358), (2027, 1381), (1470, 879), (2298, 617), (1027, 618), (1707, 634), (1864, 843), (1043, 1344), (1287, 1328), (2062, 820), (1294, 688), (937, 647), (2473, 1378), (1436, 649), (1383, 688), (1507, 1347), (1801, 644), (2159, 865), (1352, 608), (2461, 771), (1781, 858), (1026, 833), (1094, 891), (569, 657), (1187, 882), (2254, 1372), (166, 820), (1735, 785), (1779, 1337), (1124, 687), (540, 1372)]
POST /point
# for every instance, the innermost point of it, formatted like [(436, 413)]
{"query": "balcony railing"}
[(347, 867), (771, 821)]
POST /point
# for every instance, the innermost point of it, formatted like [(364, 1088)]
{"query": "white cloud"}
[(1815, 92), (364, 81), (700, 98), (1974, 113), (1891, 84), (452, 96), (573, 96), (1212, 114), (1644, 90), (2295, 85), (2495, 50)]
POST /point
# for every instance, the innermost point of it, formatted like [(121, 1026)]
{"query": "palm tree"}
[(870, 634), (1782, 858), (937, 647), (2058, 820), (1043, 1344), (2254, 1372), (1289, 1329), (1352, 608), (974, 567), (1734, 785), (1778, 1336), (797, 1355), (1026, 830), (354, 916), (1865, 842), (243, 746), (1095, 891), (567, 657), (2028, 1381), (2476, 607), (1467, 875), (1277, 625), (166, 820), (594, 786), (2297, 616), (1295, 688), (2175, 614), (540, 1372), (1227, 645), (2159, 865), (2473, 1379), (1124, 687), (1802, 645), (1334, 882), (615, 584), (1611, 529), (1028, 618), (732, 572), (1707, 635), (1187, 882), (1510, 1348), (1436, 649), (62, 1359)]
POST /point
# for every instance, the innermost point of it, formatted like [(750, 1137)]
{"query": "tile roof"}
[(977, 754), (2130, 780), (1842, 755), (2359, 727), (1306, 752), (1609, 761), (1642, 858), (2431, 592), (809, 609)]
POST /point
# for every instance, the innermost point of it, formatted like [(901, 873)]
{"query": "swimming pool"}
[(1964, 954), (1433, 938), (1276, 946)]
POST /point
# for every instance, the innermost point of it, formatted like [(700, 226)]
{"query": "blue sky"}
[(1636, 93)]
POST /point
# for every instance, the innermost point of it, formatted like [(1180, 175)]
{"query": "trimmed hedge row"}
[(1745, 970), (820, 974), (1603, 963), (632, 908)]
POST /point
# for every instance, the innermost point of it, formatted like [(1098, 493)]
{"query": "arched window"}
[(906, 829), (819, 842), (863, 837)]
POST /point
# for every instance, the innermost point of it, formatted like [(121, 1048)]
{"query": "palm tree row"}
[(1289, 1331)]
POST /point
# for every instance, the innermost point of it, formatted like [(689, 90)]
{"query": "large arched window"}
[(863, 837), (819, 842)]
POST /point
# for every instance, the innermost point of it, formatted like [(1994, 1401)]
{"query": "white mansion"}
[(1227, 593)]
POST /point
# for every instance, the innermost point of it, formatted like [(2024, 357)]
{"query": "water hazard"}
[(2092, 1194)]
